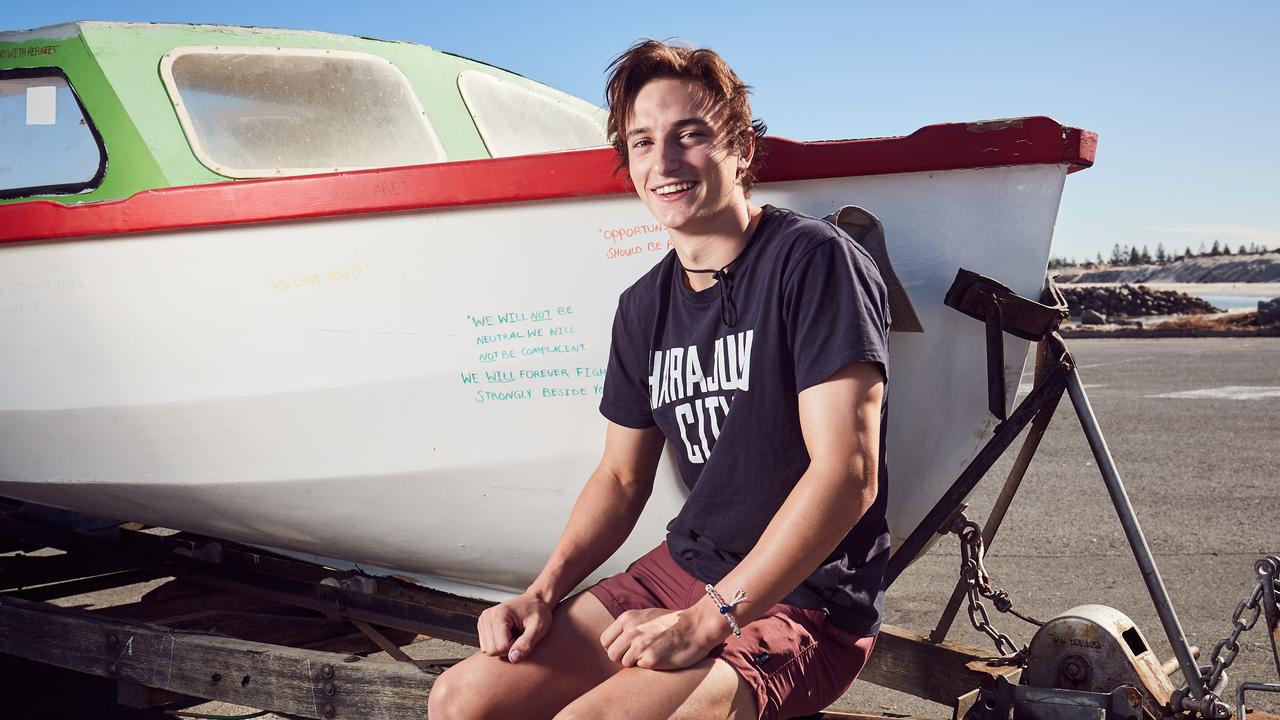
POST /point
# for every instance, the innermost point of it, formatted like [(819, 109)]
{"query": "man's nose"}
[(671, 158)]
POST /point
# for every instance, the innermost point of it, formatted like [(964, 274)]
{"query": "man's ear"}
[(747, 152)]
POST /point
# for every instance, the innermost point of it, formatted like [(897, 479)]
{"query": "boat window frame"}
[(197, 145), (562, 101), (59, 188)]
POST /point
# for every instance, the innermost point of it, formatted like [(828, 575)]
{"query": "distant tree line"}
[(1126, 255)]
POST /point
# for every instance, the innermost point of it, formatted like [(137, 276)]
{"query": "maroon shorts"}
[(795, 661)]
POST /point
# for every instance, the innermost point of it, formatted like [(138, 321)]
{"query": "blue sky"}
[(1185, 96)]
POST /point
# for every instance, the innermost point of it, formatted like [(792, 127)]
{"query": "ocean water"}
[(1231, 302)]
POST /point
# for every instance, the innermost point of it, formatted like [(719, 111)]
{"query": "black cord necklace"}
[(724, 280), (728, 311)]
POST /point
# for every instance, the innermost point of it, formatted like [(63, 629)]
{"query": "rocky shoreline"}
[(1140, 311), (1131, 301)]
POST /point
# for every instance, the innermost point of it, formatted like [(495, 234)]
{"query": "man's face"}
[(681, 166)]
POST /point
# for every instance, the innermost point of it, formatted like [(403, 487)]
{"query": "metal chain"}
[(978, 585), (1268, 571)]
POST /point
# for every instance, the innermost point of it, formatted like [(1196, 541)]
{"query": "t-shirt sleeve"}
[(626, 380), (837, 311)]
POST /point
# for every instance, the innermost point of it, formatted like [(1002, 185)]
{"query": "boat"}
[(350, 299)]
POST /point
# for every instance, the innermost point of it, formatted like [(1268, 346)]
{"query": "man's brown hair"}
[(726, 94)]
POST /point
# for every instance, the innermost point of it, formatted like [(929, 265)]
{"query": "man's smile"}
[(674, 189)]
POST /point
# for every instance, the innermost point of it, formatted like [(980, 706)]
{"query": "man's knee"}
[(620, 711), (577, 712), (611, 707), (456, 695)]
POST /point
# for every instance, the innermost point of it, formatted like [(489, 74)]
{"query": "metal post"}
[(1137, 542), (1267, 569)]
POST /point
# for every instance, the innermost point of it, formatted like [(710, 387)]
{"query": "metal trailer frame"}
[(1003, 311)]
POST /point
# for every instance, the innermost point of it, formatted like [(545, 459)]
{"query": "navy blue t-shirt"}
[(808, 301)]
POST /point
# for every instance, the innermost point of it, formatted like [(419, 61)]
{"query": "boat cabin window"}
[(516, 120), (48, 146), (263, 112)]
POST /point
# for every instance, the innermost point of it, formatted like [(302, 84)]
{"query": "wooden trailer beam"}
[(71, 588), (288, 582), (305, 683), (24, 571), (943, 672)]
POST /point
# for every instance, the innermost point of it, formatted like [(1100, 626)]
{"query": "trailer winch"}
[(1094, 648)]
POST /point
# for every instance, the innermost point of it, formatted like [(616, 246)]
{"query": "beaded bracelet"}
[(727, 607)]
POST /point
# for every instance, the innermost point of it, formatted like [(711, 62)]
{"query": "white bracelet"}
[(726, 608)]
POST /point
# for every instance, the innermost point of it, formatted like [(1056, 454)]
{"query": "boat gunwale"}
[(580, 173)]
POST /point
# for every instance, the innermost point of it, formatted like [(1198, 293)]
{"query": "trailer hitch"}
[(1024, 702)]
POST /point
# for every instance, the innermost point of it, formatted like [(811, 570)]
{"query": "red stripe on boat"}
[(1023, 141)]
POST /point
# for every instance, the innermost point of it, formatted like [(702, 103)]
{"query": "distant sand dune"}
[(1225, 269)]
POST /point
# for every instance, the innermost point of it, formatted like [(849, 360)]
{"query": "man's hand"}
[(526, 614), (658, 639)]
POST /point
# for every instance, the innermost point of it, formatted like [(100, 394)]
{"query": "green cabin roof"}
[(114, 70)]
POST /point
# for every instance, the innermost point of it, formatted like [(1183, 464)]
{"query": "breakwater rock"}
[(1269, 311), (1221, 269), (1131, 301)]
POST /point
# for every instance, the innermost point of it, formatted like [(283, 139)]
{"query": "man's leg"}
[(710, 690), (566, 663)]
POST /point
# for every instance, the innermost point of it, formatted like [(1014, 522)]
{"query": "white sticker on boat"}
[(1230, 392), (42, 105)]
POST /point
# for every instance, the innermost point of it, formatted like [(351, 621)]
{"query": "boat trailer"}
[(247, 626)]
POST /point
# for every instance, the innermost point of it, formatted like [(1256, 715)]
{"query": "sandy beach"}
[(1258, 290)]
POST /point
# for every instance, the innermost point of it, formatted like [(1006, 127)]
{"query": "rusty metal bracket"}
[(1004, 311)]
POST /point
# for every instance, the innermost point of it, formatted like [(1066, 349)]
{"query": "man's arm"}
[(603, 516), (605, 512), (840, 421)]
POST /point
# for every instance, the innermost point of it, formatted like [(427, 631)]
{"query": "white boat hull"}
[(321, 386)]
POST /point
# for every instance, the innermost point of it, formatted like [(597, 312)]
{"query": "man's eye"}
[(641, 143), (692, 134)]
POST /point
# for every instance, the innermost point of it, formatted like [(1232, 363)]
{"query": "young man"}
[(762, 336)]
